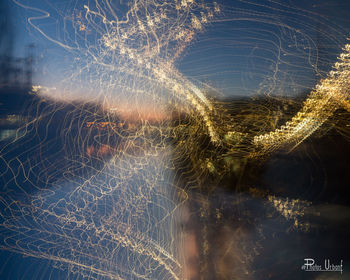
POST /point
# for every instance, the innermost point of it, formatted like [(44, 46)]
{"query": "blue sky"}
[(252, 47)]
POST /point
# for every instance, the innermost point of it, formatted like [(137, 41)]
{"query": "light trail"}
[(97, 192)]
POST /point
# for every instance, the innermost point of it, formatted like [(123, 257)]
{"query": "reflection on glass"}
[(174, 139)]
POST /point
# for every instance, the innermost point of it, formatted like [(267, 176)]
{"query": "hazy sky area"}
[(251, 47)]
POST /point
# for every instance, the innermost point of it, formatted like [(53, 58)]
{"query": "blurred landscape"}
[(259, 220)]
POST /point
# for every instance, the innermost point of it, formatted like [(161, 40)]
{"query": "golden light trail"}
[(323, 101), (105, 189)]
